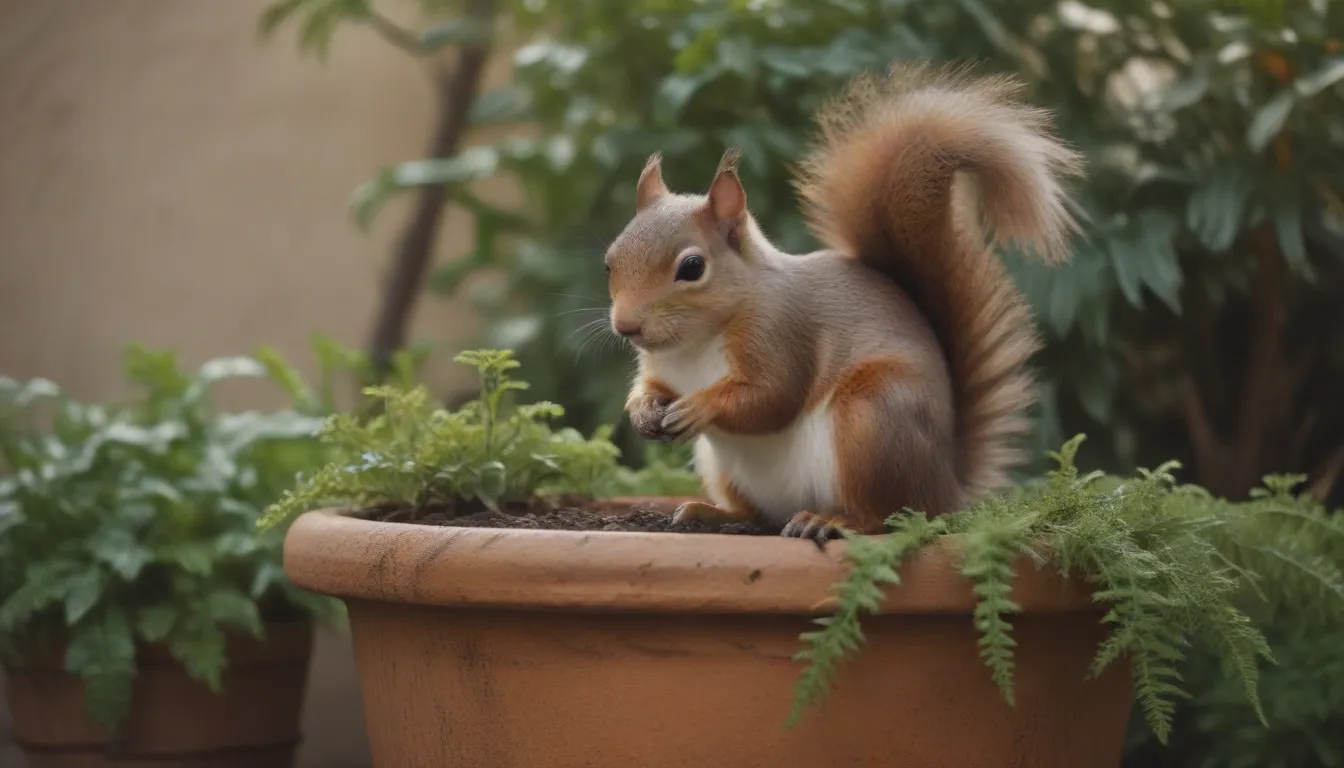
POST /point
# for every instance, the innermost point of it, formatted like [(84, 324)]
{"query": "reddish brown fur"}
[(868, 489), (766, 390), (657, 388), (737, 505), (881, 188)]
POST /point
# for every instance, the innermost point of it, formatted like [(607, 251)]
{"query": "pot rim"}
[(330, 552)]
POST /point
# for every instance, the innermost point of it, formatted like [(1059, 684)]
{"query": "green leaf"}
[(24, 395), (448, 277), (229, 606), (266, 575), (1143, 255), (84, 590), (1288, 229), (225, 368), (1269, 120), (471, 164), (191, 556), (1216, 209), (505, 104), (154, 622), (121, 550), (794, 63), (1188, 90), (674, 93), (235, 544), (198, 645), (239, 432), (9, 515), (1326, 76), (102, 651), (155, 370), (45, 582), (459, 31), (286, 375)]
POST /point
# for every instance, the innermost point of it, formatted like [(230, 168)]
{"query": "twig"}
[(1202, 346), (455, 94), (1324, 479), (1204, 441), (395, 34), (1262, 390)]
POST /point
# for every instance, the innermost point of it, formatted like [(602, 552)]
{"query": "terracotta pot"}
[(174, 721), (501, 648)]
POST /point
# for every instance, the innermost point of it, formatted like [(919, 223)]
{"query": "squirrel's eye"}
[(691, 268), (607, 267)]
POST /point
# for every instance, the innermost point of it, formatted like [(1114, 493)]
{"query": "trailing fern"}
[(1170, 561), (875, 562)]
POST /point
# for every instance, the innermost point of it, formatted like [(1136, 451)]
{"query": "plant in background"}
[(490, 453), (1280, 539), (123, 524), (1213, 198), (1169, 561)]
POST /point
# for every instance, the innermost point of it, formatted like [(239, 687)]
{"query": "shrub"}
[(122, 523), (1213, 202)]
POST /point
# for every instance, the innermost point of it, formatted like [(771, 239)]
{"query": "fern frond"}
[(874, 562), (990, 554)]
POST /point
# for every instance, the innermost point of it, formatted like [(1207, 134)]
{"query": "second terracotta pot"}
[(489, 648), (174, 721)]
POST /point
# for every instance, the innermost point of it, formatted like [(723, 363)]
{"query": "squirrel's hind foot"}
[(699, 511), (817, 528)]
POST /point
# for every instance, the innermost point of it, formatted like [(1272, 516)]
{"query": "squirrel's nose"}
[(628, 329)]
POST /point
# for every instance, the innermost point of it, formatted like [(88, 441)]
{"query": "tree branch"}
[(1262, 393), (455, 91), (1208, 450), (1202, 347)]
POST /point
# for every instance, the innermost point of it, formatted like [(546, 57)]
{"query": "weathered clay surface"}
[(537, 649)]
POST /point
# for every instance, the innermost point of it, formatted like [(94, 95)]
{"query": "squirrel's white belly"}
[(782, 473)]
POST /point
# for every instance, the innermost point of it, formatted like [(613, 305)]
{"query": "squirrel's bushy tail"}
[(880, 187)]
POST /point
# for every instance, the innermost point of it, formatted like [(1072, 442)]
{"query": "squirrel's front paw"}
[(646, 416), (685, 418)]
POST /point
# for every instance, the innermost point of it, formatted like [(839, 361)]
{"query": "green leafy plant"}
[(1214, 208), (136, 522), (1291, 599), (1169, 560), (489, 453)]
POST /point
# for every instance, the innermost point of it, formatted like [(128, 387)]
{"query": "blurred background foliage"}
[(1202, 317)]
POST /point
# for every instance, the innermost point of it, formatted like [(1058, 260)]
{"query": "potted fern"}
[(500, 594), (142, 618)]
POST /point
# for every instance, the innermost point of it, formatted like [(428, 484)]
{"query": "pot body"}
[(506, 648), (484, 688), (174, 721)]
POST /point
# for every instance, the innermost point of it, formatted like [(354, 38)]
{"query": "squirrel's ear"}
[(651, 186), (727, 202)]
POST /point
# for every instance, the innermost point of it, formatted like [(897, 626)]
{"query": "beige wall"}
[(168, 179)]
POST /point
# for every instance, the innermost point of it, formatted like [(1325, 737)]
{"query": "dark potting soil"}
[(563, 515)]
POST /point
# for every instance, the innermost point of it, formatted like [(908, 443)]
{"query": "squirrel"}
[(825, 392)]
